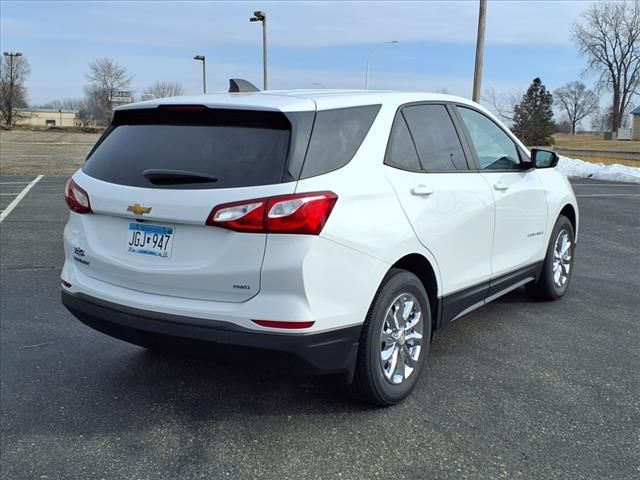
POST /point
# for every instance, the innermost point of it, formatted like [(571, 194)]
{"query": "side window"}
[(336, 137), (435, 136), (402, 152), (494, 147)]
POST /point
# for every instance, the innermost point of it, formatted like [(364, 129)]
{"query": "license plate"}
[(152, 240)]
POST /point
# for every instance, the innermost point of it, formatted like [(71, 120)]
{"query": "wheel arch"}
[(570, 212), (420, 266)]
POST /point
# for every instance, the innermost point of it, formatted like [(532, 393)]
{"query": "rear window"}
[(435, 136), (402, 152), (192, 147), (337, 135)]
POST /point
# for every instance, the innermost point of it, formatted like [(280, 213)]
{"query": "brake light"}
[(283, 325), (300, 213), (76, 197), (183, 108)]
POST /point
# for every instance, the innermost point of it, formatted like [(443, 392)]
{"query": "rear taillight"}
[(76, 197), (301, 213), (247, 216)]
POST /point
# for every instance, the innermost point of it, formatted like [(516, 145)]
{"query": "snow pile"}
[(572, 167)]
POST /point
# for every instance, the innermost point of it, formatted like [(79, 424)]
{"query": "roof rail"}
[(237, 85)]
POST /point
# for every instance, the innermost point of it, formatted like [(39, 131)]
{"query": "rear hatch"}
[(154, 178)]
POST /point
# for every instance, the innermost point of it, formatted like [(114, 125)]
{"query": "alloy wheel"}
[(562, 259), (401, 338)]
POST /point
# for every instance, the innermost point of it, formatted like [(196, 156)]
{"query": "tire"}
[(558, 264), (376, 381)]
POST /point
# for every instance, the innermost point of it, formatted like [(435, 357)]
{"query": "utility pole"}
[(11, 56), (204, 75), (477, 74), (262, 17)]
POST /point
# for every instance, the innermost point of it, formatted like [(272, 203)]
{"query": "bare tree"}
[(609, 38), (563, 126), (626, 117), (106, 76), (502, 103), (79, 105), (14, 72), (163, 89), (577, 102), (601, 121), (67, 104)]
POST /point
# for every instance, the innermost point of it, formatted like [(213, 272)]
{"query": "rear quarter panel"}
[(367, 216)]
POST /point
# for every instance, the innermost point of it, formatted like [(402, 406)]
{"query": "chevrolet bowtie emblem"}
[(138, 209)]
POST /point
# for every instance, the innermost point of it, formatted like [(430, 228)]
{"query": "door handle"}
[(500, 186), (421, 191)]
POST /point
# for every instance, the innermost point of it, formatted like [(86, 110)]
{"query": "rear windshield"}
[(191, 147)]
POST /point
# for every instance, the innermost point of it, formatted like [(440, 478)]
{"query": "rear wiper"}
[(162, 176)]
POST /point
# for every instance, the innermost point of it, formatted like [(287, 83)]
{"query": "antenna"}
[(239, 85)]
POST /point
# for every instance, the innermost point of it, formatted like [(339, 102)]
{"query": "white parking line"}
[(20, 196)]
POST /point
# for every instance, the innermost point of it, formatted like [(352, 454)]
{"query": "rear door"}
[(449, 206), (520, 201), (152, 182)]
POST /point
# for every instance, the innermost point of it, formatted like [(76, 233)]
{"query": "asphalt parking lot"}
[(517, 389)]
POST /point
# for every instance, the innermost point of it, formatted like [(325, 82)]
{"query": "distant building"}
[(47, 117), (636, 123)]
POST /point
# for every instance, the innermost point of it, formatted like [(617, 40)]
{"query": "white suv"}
[(343, 227)]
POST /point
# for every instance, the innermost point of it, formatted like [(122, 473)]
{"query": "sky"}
[(311, 44)]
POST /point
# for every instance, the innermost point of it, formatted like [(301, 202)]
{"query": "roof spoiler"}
[(239, 85)]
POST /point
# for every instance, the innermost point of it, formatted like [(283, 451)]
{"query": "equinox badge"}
[(138, 209)]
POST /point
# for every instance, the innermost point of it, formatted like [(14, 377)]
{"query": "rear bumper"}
[(331, 352)]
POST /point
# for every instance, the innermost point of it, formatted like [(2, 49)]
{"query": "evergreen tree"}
[(533, 116)]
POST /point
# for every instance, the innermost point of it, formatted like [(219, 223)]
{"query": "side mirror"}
[(544, 158)]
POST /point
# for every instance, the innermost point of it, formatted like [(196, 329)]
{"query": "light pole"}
[(11, 56), (204, 75), (60, 112), (477, 73), (366, 77), (262, 17)]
